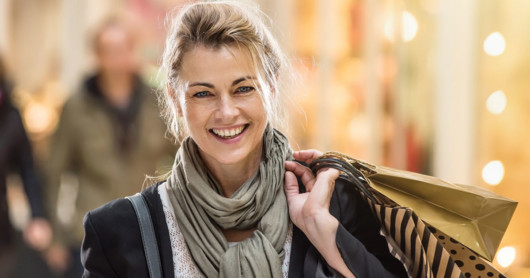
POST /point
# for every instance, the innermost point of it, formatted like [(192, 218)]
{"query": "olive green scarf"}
[(202, 211)]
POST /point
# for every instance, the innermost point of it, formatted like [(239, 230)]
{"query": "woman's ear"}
[(174, 98)]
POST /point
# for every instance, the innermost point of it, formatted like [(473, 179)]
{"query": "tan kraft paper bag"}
[(472, 215)]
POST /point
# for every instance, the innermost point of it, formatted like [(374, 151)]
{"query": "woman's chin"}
[(229, 157)]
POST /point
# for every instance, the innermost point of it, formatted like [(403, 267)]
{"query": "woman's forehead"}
[(226, 63)]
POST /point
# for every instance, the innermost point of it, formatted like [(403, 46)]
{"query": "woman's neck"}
[(232, 176)]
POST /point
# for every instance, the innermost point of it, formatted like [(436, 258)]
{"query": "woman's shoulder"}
[(344, 186), (120, 212), (113, 237)]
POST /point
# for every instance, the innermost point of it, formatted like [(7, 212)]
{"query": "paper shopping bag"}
[(471, 215), (423, 250)]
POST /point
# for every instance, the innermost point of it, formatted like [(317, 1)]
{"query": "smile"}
[(228, 133)]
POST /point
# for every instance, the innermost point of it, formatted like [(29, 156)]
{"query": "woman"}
[(230, 202)]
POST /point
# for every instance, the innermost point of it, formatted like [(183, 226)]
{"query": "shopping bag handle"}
[(348, 172)]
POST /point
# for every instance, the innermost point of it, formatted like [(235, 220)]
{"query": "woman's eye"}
[(244, 89), (201, 94)]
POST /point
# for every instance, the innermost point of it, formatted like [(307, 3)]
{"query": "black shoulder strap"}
[(148, 235)]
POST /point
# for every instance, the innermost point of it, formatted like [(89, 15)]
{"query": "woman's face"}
[(221, 105)]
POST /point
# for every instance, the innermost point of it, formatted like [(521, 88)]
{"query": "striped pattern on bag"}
[(414, 244)]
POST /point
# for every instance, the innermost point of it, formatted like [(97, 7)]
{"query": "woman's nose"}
[(227, 107)]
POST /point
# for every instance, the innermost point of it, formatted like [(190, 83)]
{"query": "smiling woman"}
[(223, 111), (240, 37), (235, 204)]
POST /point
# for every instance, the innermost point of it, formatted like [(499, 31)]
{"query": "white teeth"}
[(228, 133)]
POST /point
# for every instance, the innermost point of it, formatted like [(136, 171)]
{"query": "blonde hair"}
[(216, 24)]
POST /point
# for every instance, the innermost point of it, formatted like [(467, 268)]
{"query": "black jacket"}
[(15, 157), (112, 246)]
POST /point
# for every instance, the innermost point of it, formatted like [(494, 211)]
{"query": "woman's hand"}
[(309, 211), (306, 208)]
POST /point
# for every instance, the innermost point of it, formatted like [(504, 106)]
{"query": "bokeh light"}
[(506, 256), (493, 172), (496, 102), (494, 44), (409, 27)]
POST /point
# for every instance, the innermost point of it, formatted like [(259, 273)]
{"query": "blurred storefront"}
[(438, 87)]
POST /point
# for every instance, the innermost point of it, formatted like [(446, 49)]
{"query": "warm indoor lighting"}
[(409, 27), (38, 117), (494, 44), (506, 256), (496, 102), (430, 5), (388, 29), (493, 172)]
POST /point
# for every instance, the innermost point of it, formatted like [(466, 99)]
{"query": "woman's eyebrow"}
[(201, 84), (242, 79), (212, 86)]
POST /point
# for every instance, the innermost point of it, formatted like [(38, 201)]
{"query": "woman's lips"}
[(229, 135)]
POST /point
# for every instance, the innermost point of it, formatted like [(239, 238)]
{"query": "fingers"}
[(325, 184), (328, 175), (307, 156), (303, 172), (291, 185)]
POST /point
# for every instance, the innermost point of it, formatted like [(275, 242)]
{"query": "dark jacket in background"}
[(113, 245), (16, 157)]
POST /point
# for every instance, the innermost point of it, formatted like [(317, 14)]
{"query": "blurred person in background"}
[(16, 156), (110, 136)]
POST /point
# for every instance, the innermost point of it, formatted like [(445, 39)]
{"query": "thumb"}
[(291, 185)]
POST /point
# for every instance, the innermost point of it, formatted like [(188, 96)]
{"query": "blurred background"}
[(439, 87)]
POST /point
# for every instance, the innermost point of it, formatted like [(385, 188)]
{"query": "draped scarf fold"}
[(202, 212)]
